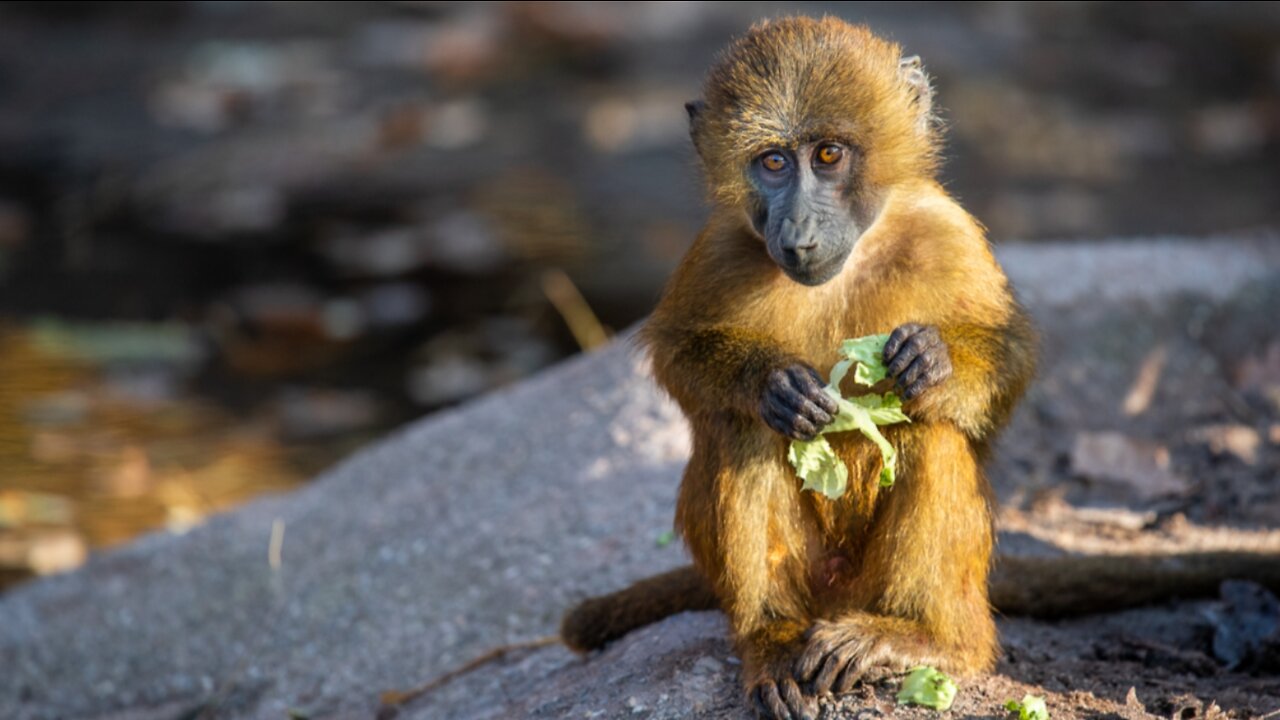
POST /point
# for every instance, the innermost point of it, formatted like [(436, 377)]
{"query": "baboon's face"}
[(805, 207), (805, 127)]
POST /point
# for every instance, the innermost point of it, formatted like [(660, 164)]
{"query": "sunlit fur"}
[(801, 79), (881, 577), (904, 569)]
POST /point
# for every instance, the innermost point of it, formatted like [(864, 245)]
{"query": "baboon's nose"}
[(797, 241)]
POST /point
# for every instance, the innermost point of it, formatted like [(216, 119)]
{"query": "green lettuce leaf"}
[(868, 352), (838, 371), (1032, 707), (928, 687), (815, 461), (817, 464)]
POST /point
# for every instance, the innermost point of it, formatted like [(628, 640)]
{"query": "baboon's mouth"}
[(815, 271)]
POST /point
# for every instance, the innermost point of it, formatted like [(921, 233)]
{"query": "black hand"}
[(794, 403), (916, 358)]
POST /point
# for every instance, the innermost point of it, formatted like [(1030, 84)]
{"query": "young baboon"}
[(819, 147)]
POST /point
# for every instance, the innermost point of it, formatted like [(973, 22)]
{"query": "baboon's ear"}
[(911, 69), (695, 108)]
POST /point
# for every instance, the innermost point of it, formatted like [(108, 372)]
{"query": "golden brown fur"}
[(796, 78), (819, 591), (901, 572), (903, 569), (905, 566)]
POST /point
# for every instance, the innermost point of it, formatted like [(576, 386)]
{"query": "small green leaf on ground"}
[(1032, 707), (928, 687)]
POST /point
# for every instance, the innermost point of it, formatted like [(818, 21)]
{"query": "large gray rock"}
[(479, 526)]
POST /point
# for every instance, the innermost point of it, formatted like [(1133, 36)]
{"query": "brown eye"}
[(830, 154), (774, 161)]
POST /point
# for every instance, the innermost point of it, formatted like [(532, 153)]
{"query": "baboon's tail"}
[(600, 620), (1043, 587)]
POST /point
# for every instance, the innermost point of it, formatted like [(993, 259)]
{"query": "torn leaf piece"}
[(1032, 707), (815, 461), (868, 352), (928, 687), (864, 414), (817, 464)]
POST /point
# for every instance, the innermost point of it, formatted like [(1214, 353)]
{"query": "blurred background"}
[(239, 240)]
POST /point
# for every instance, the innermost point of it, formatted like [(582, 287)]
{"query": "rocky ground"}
[(1154, 427)]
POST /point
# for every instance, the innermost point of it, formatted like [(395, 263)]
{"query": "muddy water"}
[(85, 463)]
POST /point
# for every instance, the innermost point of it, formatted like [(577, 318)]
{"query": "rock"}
[(448, 379), (456, 538), (1228, 130), (458, 124), (1247, 626), (1241, 441), (386, 253), (1141, 466), (478, 526), (465, 242), (395, 304), (311, 413)]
